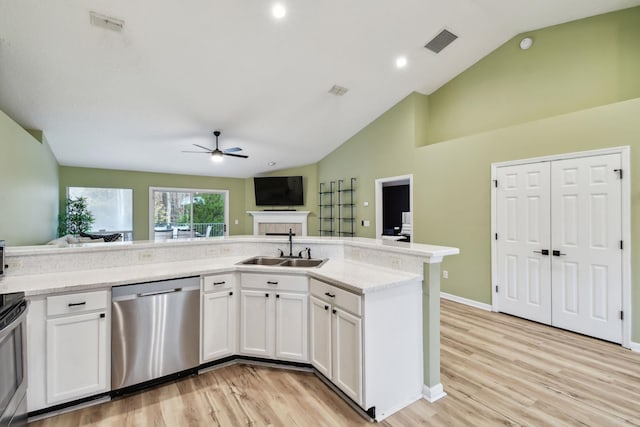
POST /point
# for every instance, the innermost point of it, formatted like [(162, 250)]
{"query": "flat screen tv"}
[(278, 191)]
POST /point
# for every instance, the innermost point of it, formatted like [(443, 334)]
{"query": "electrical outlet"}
[(226, 250), (236, 222), (395, 262), (445, 274), (145, 256), (366, 223), (14, 264), (215, 251)]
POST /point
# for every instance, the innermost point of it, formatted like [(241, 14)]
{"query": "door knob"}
[(558, 253), (543, 252)]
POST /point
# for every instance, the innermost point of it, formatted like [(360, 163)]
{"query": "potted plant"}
[(75, 218)]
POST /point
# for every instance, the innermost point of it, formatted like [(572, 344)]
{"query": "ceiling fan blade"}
[(204, 148), (232, 150), (242, 156), (199, 152)]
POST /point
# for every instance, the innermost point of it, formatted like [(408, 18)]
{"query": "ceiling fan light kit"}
[(217, 155)]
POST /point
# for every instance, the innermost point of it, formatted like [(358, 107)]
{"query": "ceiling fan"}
[(217, 154)]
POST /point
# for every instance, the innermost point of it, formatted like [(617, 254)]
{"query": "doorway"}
[(559, 228), (394, 208)]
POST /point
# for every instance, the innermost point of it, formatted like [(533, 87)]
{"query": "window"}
[(112, 208), (177, 213)]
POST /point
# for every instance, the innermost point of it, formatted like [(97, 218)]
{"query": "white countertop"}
[(357, 277)]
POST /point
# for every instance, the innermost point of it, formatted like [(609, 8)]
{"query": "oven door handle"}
[(14, 324)]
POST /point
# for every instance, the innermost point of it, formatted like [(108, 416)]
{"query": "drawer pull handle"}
[(102, 315), (231, 293), (330, 295), (266, 295), (277, 295), (76, 304), (326, 307), (334, 311), (271, 283), (219, 283)]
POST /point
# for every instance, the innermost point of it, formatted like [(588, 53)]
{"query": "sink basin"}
[(300, 262), (283, 262), (262, 260)]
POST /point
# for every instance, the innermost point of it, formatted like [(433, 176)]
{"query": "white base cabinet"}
[(72, 331), (274, 316), (218, 317), (369, 346)]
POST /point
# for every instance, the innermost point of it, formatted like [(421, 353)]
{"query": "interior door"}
[(586, 232), (523, 218)]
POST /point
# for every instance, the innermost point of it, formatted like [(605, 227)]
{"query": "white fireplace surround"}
[(279, 217)]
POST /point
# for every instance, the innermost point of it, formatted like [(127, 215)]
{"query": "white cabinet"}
[(274, 316), (291, 326), (77, 348), (68, 348), (218, 319), (336, 338), (257, 326), (369, 346)]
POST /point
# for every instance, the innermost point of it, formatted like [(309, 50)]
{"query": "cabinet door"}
[(347, 354), (292, 326), (320, 340), (257, 323), (218, 325), (77, 357)]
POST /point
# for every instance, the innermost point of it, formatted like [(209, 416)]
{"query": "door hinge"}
[(224, 230), (495, 183), (621, 315), (619, 172), (621, 245), (496, 289), (496, 236)]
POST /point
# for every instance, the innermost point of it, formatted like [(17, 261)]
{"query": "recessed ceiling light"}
[(271, 163), (279, 11), (401, 62)]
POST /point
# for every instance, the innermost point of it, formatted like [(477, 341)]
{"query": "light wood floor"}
[(496, 369)]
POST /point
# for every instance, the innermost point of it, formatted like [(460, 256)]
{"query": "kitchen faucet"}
[(290, 234)]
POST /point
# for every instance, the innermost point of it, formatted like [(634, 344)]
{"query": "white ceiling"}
[(180, 69)]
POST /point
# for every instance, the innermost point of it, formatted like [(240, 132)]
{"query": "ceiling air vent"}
[(106, 22), (338, 90), (442, 40)]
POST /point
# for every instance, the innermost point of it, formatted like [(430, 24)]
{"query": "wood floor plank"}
[(497, 370)]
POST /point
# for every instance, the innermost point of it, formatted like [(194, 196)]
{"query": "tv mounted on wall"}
[(278, 191)]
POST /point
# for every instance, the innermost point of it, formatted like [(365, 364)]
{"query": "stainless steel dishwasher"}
[(154, 330)]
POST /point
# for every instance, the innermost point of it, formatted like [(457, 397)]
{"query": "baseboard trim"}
[(465, 301), (431, 394), (634, 346)]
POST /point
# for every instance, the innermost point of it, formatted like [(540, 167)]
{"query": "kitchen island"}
[(379, 285)]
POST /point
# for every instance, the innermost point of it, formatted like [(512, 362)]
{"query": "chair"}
[(184, 234)]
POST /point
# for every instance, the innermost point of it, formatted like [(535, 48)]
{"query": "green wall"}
[(309, 175), (29, 186), (575, 97), (570, 67), (140, 183)]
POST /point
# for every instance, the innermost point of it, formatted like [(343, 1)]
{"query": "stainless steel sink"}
[(262, 260), (283, 262), (301, 262)]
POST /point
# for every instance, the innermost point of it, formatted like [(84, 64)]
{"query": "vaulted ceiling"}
[(137, 98)]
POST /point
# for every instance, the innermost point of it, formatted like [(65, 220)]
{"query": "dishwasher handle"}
[(150, 294)]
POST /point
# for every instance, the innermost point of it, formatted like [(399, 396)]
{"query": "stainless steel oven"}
[(13, 360)]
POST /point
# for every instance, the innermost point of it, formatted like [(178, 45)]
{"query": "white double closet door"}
[(559, 255)]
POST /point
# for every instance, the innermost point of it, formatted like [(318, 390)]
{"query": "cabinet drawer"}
[(77, 303), (217, 282), (275, 282), (337, 296)]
